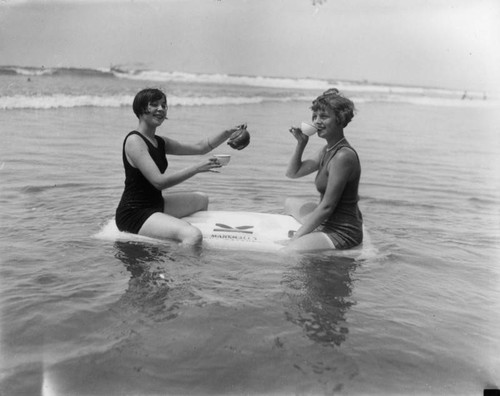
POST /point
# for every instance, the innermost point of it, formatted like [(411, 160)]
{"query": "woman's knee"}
[(299, 208), (191, 236)]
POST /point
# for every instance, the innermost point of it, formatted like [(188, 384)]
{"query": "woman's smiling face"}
[(157, 111), (324, 120)]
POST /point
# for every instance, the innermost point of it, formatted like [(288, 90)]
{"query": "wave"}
[(57, 71), (121, 72), (72, 101), (285, 83), (165, 76), (223, 79), (69, 101), (62, 101), (279, 89)]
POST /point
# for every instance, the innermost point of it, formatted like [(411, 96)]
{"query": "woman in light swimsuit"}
[(336, 221), (143, 209)]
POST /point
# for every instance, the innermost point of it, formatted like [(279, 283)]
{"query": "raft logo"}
[(245, 229)]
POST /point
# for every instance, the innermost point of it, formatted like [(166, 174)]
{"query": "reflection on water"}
[(148, 288), (319, 290), (316, 289), (140, 257)]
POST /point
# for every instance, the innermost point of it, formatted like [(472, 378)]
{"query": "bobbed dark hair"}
[(144, 97), (342, 107)]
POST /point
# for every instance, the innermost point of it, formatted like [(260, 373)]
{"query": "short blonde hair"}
[(342, 107)]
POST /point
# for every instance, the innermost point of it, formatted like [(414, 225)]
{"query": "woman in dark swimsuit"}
[(143, 209), (336, 221)]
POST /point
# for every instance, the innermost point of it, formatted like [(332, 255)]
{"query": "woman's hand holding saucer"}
[(209, 165)]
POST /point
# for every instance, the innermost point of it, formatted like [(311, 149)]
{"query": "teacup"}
[(308, 129), (223, 159)]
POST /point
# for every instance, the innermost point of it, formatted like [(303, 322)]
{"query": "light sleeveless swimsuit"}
[(345, 226)]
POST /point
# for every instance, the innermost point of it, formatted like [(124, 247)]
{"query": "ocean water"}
[(83, 315)]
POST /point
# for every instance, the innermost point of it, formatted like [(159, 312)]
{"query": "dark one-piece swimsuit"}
[(345, 225), (140, 199)]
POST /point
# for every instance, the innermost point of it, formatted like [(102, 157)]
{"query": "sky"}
[(433, 43)]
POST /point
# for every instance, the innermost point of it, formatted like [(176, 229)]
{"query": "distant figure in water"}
[(143, 209), (464, 95), (336, 221)]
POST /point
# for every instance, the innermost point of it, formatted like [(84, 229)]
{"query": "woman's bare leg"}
[(184, 204), (315, 241), (163, 226), (169, 225)]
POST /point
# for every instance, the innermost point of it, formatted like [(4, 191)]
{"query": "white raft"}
[(247, 231), (226, 230), (244, 230)]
